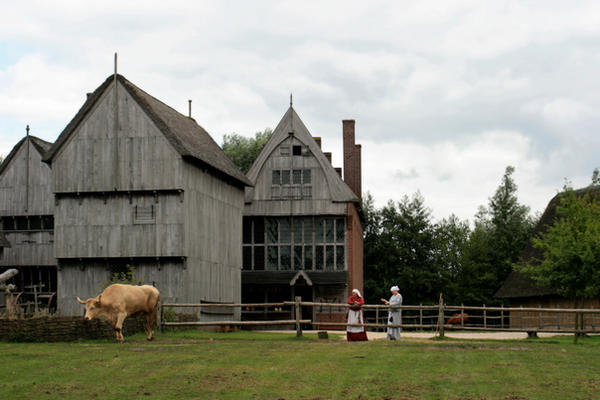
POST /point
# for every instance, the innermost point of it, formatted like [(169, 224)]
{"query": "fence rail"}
[(439, 317)]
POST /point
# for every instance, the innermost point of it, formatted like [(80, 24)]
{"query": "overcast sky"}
[(445, 94)]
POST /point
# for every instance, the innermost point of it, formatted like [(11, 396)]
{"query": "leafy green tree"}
[(570, 248), (398, 251), (502, 230), (451, 236), (243, 150)]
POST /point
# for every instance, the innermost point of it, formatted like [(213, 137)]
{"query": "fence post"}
[(378, 329), (421, 315), (298, 311), (502, 317), (441, 317), (484, 317), (160, 317), (540, 321), (462, 315)]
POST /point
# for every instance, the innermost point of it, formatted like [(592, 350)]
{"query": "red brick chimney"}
[(328, 156), (318, 140), (352, 158)]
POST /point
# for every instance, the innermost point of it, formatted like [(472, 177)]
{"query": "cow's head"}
[(93, 306)]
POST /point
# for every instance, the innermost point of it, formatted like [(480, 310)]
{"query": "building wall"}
[(87, 278), (120, 225), (145, 160), (189, 215), (13, 185), (213, 236), (26, 208), (355, 249)]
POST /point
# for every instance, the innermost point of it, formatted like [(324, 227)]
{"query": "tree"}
[(399, 239), (451, 236), (570, 248), (243, 150), (502, 230)]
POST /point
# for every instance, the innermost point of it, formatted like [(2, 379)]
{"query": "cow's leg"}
[(119, 327), (150, 322)]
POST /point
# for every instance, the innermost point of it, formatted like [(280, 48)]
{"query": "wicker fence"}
[(63, 329)]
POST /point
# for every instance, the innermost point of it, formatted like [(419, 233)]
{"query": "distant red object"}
[(455, 320)]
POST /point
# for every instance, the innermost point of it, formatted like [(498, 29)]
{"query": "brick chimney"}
[(352, 158), (318, 140), (328, 156)]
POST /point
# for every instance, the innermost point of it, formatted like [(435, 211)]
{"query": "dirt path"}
[(461, 335)]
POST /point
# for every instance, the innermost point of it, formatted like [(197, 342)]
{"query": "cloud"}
[(444, 94)]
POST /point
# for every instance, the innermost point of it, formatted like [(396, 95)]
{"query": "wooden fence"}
[(440, 317)]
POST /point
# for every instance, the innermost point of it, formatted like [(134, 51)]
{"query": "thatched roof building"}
[(520, 288)]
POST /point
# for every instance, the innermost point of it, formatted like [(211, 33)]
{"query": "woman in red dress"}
[(355, 316)]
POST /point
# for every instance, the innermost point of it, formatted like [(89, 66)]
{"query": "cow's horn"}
[(79, 300)]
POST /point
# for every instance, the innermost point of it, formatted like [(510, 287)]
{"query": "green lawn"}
[(245, 365)]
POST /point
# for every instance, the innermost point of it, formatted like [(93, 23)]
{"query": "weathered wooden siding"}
[(25, 190), (98, 226), (29, 248), (213, 236), (86, 279), (319, 204), (13, 185), (145, 159)]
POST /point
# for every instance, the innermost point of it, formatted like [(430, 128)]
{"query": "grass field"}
[(245, 365)]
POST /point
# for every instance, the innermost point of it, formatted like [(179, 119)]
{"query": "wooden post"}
[(502, 317), (160, 317), (377, 318), (298, 311), (462, 315), (540, 321), (484, 317), (421, 314), (441, 317)]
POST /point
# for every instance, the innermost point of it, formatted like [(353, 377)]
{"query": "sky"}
[(445, 94)]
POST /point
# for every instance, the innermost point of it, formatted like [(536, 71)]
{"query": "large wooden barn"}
[(27, 213), (137, 183), (520, 290), (302, 227)]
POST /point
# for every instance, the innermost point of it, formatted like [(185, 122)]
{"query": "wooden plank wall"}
[(146, 160), (213, 232), (86, 279), (13, 185), (320, 204), (103, 226), (33, 247)]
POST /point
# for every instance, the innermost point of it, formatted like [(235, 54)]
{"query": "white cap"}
[(394, 288)]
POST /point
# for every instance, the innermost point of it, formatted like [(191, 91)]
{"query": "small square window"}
[(144, 214), (297, 150)]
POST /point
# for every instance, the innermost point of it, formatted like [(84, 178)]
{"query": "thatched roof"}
[(291, 122), (40, 145), (518, 285), (188, 138)]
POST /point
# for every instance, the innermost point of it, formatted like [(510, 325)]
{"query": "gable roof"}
[(291, 122), (518, 285), (188, 138), (40, 145)]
